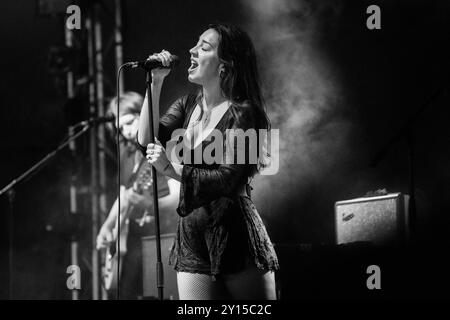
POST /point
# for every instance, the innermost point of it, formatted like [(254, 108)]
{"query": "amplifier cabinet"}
[(379, 220)]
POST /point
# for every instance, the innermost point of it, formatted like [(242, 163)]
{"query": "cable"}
[(118, 178)]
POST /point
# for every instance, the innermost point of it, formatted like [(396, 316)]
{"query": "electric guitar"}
[(115, 252)]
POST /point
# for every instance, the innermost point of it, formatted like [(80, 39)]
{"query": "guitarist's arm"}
[(106, 233)]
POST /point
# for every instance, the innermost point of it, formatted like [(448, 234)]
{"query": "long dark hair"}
[(240, 81)]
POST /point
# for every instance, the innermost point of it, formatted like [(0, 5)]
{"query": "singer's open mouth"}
[(193, 66)]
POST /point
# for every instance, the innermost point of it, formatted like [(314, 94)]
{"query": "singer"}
[(222, 249)]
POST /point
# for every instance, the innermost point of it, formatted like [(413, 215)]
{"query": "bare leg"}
[(251, 284)]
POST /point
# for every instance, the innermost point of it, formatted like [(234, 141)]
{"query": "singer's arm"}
[(144, 128)]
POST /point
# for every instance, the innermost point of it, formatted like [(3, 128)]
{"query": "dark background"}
[(383, 77)]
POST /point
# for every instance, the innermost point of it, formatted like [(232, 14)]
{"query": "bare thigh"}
[(251, 284)]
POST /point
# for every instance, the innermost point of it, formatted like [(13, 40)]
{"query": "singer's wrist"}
[(157, 81), (157, 78)]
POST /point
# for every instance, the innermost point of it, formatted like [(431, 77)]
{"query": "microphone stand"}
[(159, 265), (406, 132), (9, 189)]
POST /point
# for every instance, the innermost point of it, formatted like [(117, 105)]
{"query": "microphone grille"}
[(175, 60)]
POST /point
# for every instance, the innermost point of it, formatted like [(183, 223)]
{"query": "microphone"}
[(98, 120), (152, 63)]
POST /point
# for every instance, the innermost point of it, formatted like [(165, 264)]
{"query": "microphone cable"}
[(118, 178)]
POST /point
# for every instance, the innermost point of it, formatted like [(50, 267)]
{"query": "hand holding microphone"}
[(157, 60), (166, 59), (159, 64)]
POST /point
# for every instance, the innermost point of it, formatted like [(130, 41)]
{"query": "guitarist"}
[(136, 203)]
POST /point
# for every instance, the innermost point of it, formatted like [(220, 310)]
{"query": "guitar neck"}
[(138, 187)]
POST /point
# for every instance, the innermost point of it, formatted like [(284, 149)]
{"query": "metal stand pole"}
[(101, 215), (412, 190), (119, 61), (94, 162), (73, 211), (11, 196), (159, 265), (118, 40), (73, 185), (407, 132), (9, 189)]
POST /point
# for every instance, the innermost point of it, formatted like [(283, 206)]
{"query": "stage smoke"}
[(303, 95)]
